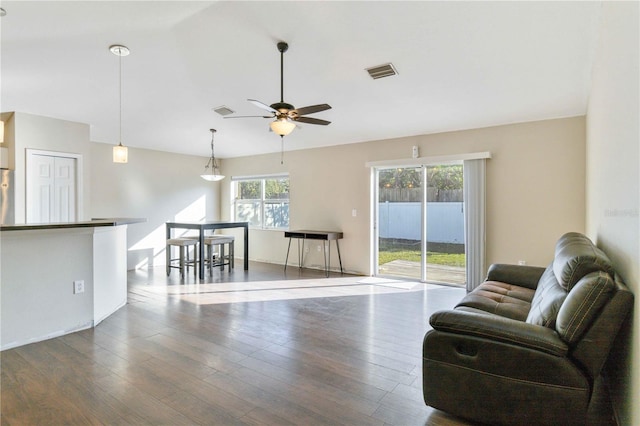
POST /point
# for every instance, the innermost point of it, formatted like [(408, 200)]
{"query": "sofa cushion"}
[(499, 298), (575, 257), (547, 300), (583, 304)]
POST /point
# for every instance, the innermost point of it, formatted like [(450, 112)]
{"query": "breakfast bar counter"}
[(57, 278)]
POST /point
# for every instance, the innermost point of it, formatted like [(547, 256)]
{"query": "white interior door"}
[(64, 200), (40, 191), (51, 189)]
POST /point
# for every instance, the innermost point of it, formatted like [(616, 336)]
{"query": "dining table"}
[(201, 227)]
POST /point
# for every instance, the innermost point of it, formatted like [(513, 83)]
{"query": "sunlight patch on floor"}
[(260, 291)]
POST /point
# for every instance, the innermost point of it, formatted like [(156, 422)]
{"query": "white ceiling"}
[(461, 65)]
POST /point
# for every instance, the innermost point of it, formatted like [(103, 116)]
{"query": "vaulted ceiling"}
[(460, 65)]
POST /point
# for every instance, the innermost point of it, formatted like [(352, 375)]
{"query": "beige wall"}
[(158, 186), (154, 185), (613, 180), (48, 134), (535, 188)]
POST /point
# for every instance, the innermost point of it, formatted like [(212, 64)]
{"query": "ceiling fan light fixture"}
[(282, 126), (284, 114)]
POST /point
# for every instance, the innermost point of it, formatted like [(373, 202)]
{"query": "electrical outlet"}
[(319, 249), (522, 262), (354, 212), (78, 286)]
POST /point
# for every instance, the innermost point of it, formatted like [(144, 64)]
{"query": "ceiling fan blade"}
[(311, 109), (310, 120), (261, 105), (251, 116)]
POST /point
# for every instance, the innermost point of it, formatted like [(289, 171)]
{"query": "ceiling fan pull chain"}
[(281, 149)]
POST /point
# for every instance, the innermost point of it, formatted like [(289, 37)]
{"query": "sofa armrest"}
[(497, 328), (524, 276)]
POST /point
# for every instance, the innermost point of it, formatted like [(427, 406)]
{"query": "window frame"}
[(262, 201)]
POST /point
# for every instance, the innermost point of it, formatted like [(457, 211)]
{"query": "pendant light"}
[(211, 170), (120, 152)]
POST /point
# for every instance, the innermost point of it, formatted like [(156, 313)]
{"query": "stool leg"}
[(168, 253), (222, 257), (232, 254), (195, 260), (181, 248)]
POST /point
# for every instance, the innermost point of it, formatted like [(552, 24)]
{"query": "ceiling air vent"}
[(386, 70), (224, 110)]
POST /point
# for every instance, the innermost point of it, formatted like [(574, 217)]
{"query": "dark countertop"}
[(114, 221)]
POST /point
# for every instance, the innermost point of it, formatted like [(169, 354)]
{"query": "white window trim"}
[(427, 161), (262, 200)]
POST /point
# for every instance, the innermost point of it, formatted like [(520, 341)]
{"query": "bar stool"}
[(211, 242), (183, 245)]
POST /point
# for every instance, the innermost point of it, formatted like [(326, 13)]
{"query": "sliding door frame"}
[(423, 162)]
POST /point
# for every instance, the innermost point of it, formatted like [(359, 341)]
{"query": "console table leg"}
[(287, 258), (324, 252), (300, 254)]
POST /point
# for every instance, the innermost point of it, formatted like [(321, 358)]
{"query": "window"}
[(262, 201)]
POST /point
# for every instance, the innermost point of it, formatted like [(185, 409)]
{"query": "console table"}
[(324, 236)]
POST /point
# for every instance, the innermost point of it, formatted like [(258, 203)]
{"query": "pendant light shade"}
[(211, 170), (120, 152)]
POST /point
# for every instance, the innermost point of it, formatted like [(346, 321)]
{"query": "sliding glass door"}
[(400, 224), (420, 223), (445, 224)]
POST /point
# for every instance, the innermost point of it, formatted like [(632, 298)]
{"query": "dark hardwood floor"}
[(162, 359)]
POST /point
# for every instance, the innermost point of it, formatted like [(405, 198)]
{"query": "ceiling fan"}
[(284, 114)]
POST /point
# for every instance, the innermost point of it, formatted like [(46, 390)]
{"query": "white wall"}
[(109, 271), (158, 186), (38, 301), (613, 180), (535, 188)]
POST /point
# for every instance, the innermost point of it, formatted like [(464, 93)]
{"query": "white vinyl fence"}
[(445, 221)]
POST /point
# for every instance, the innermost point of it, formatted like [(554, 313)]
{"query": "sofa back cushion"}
[(583, 305), (547, 300), (575, 257)]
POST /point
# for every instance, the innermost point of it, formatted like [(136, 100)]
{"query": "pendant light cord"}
[(213, 155), (120, 89), (212, 160)]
